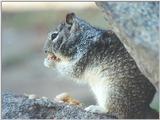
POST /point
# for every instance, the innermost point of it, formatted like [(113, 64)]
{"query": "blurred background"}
[(24, 30)]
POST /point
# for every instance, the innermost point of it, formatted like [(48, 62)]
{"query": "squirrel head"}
[(72, 39)]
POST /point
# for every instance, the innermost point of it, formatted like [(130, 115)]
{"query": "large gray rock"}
[(137, 26), (21, 107)]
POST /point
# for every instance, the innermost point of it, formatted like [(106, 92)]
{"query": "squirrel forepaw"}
[(95, 109)]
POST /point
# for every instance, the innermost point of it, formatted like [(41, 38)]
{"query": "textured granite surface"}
[(24, 107)]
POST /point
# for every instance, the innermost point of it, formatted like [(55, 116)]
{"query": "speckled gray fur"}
[(86, 49)]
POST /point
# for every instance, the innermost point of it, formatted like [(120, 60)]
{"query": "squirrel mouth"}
[(53, 57)]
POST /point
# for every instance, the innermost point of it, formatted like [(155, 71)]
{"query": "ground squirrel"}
[(94, 56)]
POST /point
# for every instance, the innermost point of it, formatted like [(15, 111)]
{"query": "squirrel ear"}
[(70, 18)]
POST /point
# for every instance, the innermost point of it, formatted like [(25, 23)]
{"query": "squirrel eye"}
[(53, 35)]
